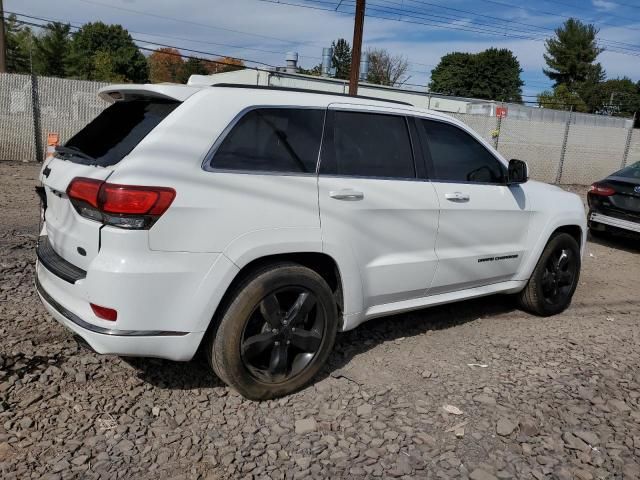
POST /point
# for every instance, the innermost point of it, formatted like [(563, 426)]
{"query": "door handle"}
[(346, 194), (457, 197)]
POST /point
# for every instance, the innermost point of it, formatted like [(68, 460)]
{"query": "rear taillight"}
[(601, 190), (124, 206)]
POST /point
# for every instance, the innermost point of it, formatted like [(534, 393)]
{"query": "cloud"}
[(604, 5)]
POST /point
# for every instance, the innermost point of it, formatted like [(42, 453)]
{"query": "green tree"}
[(454, 74), (386, 69), (619, 96), (341, 58), (19, 46), (193, 66), (52, 50), (571, 55), (493, 74), (561, 98), (315, 71), (106, 52)]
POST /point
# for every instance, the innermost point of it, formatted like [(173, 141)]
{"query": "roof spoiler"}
[(166, 91)]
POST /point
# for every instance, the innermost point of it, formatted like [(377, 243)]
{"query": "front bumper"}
[(595, 217), (172, 345)]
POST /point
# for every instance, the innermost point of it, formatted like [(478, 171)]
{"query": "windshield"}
[(631, 171), (116, 131)]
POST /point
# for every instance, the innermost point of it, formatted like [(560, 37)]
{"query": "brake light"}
[(601, 190), (85, 190), (124, 206), (104, 312), (123, 199)]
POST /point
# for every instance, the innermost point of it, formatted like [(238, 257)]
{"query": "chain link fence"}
[(31, 106), (557, 148)]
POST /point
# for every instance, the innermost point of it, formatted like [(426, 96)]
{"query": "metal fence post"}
[(497, 130), (563, 150), (35, 109), (627, 146)]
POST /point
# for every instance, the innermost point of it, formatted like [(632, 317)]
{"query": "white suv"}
[(257, 222)]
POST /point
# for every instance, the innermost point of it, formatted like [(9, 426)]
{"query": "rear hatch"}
[(94, 153)]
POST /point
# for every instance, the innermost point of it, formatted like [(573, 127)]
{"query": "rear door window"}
[(116, 131), (367, 145), (283, 140)]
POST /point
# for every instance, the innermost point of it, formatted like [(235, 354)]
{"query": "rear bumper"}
[(179, 346), (595, 217)]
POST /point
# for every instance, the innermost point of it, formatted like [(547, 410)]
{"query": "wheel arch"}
[(321, 263)]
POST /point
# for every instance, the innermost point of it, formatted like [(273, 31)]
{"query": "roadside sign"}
[(501, 112)]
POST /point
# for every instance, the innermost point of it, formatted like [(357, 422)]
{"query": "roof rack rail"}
[(304, 90)]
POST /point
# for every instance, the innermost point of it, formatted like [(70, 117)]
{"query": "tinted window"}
[(273, 140), (117, 130), (632, 171), (367, 144), (457, 156)]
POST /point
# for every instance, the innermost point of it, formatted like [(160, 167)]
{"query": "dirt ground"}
[(537, 397)]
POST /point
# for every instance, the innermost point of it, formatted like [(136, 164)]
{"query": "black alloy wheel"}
[(275, 332), (559, 276), (554, 280), (283, 334)]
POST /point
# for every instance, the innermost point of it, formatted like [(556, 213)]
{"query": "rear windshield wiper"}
[(74, 151)]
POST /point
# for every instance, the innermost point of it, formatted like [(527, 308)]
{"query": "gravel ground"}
[(534, 398)]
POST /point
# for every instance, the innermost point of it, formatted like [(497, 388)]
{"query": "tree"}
[(52, 50), (315, 71), (341, 58), (112, 49), (386, 69), (19, 46), (165, 65), (493, 74), (619, 97), (561, 98), (571, 55), (193, 66), (224, 64)]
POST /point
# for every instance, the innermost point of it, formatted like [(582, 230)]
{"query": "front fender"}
[(552, 210)]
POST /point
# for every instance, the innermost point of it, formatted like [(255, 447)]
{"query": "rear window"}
[(632, 171), (116, 131)]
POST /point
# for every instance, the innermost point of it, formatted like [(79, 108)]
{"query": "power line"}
[(218, 62), (240, 47), (446, 26), (604, 41), (190, 22)]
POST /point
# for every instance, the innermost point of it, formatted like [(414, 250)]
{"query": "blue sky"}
[(422, 30)]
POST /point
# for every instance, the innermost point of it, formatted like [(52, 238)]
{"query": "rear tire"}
[(276, 333), (555, 278)]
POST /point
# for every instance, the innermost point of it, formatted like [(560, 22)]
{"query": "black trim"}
[(56, 264), (72, 317), (304, 90)]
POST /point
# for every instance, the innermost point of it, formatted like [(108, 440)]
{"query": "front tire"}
[(276, 333), (555, 278)]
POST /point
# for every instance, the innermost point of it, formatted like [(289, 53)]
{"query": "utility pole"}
[(3, 45), (356, 50)]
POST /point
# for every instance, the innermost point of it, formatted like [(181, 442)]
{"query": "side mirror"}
[(518, 172)]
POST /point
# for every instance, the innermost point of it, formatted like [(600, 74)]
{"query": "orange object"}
[(53, 140)]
